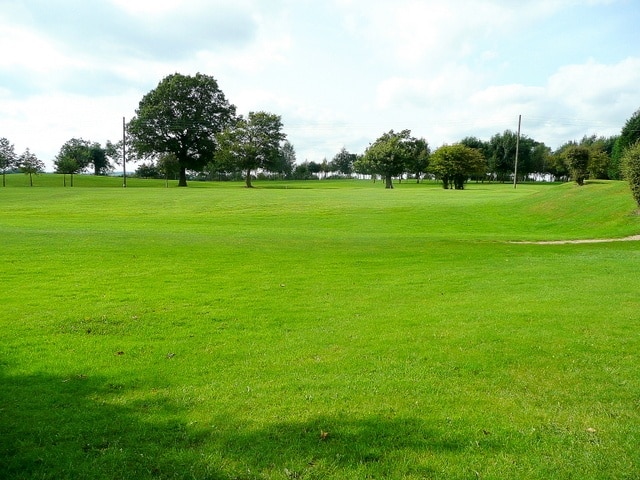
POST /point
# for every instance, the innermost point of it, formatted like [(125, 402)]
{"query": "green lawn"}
[(317, 330)]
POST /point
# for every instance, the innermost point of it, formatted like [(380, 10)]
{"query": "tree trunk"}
[(247, 179), (182, 181), (30, 180), (388, 182), (72, 179)]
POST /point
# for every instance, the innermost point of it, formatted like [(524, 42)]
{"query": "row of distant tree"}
[(185, 127), (400, 155), (76, 156), (26, 162)]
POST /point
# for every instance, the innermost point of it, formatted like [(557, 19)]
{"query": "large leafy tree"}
[(252, 143), (182, 116), (30, 164), (389, 155), (454, 164), (74, 157), (7, 158)]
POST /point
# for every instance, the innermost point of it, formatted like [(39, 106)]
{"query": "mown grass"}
[(318, 330)]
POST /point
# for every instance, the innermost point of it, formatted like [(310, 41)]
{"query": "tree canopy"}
[(418, 159), (343, 162), (577, 160), (30, 164), (252, 143), (182, 116), (286, 162), (629, 136), (454, 164), (631, 169), (74, 157), (390, 155), (7, 158), (99, 159)]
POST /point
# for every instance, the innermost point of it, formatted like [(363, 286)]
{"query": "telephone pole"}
[(515, 170), (124, 154)]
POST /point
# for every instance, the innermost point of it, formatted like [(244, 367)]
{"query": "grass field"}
[(320, 330)]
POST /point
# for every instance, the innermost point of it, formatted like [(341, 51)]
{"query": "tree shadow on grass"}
[(86, 427), (344, 446), (79, 427)]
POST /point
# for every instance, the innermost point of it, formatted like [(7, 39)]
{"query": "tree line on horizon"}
[(186, 128)]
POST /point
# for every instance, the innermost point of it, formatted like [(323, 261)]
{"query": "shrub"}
[(631, 169), (577, 160)]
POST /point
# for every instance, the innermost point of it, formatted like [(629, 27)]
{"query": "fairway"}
[(318, 330)]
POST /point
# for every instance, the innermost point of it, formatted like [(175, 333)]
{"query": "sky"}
[(340, 73)]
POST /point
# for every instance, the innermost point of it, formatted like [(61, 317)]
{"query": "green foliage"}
[(7, 158), (343, 162), (30, 164), (577, 159), (390, 155), (251, 144), (168, 166), (629, 136), (615, 166), (630, 133), (74, 156), (181, 116), (502, 154), (454, 164), (286, 161), (147, 170), (305, 171), (418, 159), (99, 159), (631, 169), (533, 156)]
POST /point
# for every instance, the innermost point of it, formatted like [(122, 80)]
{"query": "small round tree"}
[(454, 164), (631, 169), (577, 160)]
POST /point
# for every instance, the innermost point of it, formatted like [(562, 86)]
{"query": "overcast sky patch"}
[(339, 72)]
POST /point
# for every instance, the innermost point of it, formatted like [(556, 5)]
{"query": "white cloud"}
[(452, 83), (339, 73)]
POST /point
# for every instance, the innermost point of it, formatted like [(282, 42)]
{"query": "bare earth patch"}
[(592, 240)]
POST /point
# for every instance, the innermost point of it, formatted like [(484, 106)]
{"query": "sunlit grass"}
[(318, 330)]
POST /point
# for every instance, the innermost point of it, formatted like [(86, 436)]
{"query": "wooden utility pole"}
[(124, 154), (515, 170)]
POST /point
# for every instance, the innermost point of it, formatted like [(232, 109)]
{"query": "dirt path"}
[(593, 240)]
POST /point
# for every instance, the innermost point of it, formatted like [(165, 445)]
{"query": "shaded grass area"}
[(318, 333)]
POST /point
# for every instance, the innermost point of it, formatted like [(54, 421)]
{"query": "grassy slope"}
[(215, 332)]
